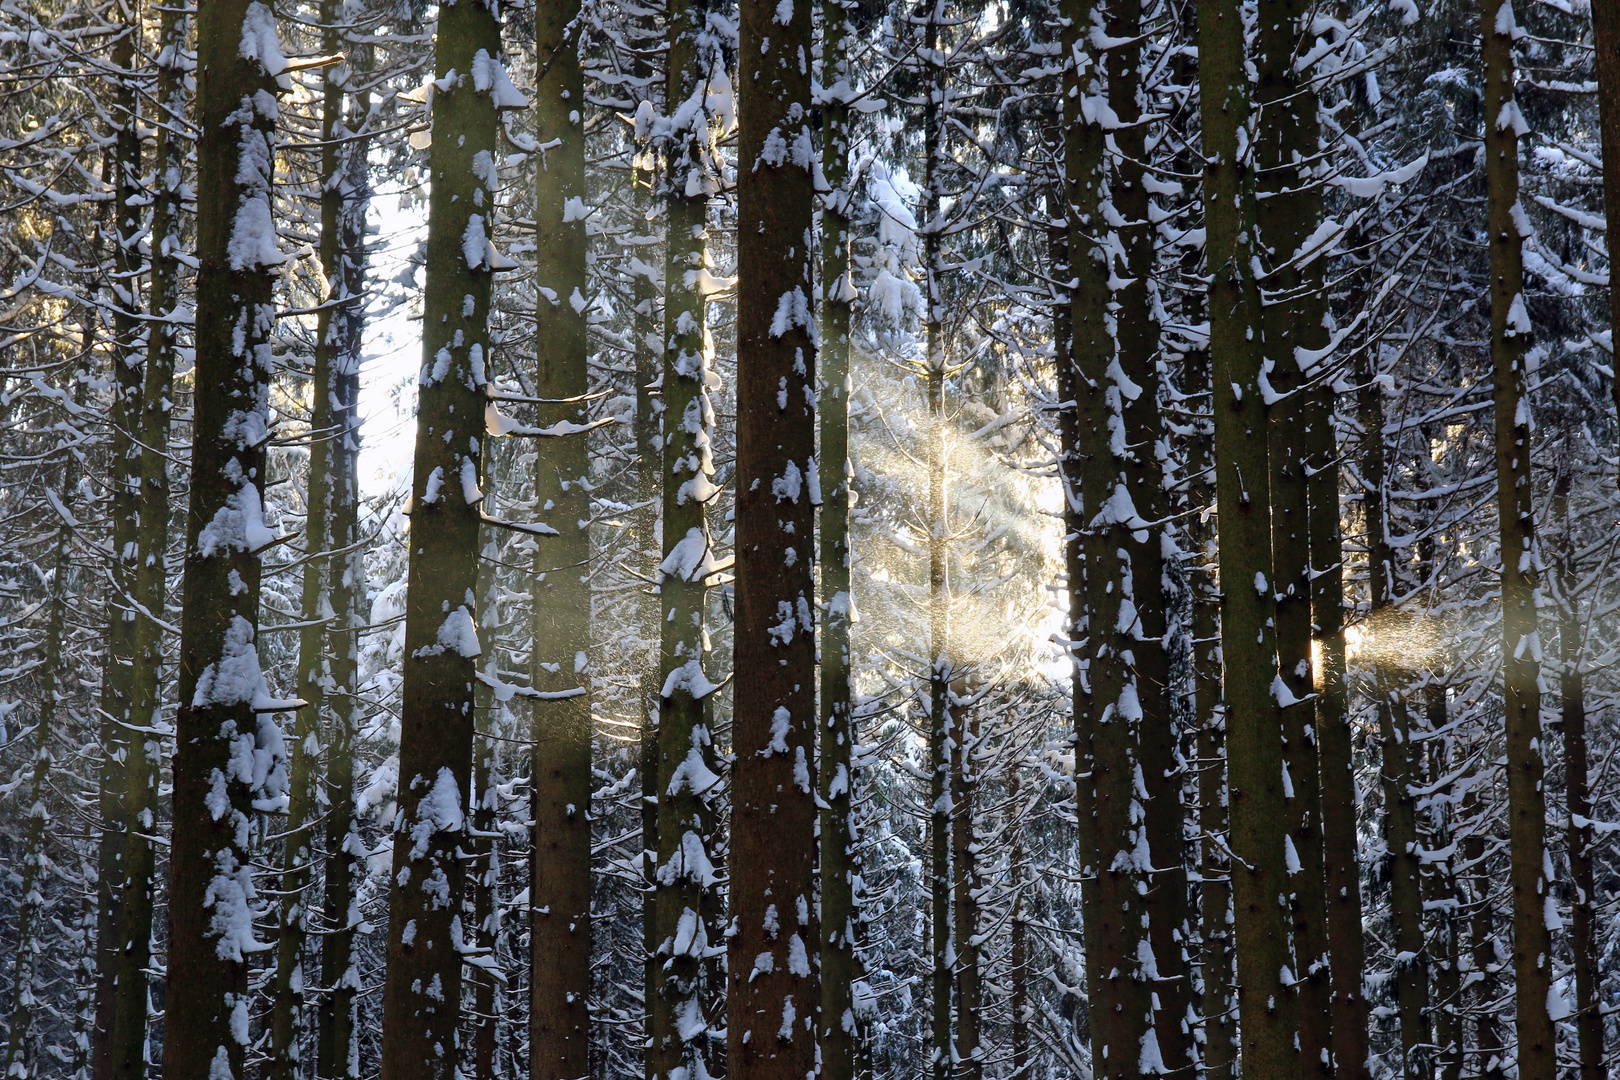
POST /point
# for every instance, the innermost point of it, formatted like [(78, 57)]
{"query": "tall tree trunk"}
[(484, 855), (127, 1039), (33, 864), (1267, 1004), (967, 883), (124, 509), (1487, 959), (684, 925), (649, 352), (1019, 1010), (1288, 138), (1606, 59), (288, 1018), (1398, 770), (1082, 349), (942, 725), (422, 991), (1219, 1004), (1521, 641), (1117, 538), (1583, 941), (773, 996), (842, 1024), (221, 724), (560, 886), (1336, 762), (336, 1049), (1129, 525), (1441, 894)]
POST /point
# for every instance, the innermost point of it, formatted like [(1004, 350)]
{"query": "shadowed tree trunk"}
[(127, 1046), (422, 990), (1521, 640), (1577, 795), (1606, 59), (125, 506), (1267, 1003), (560, 884), (842, 1025), (336, 1049), (1293, 320)]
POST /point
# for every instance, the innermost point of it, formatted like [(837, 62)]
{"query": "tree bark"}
[(1398, 769), (1336, 762), (1219, 1003), (336, 1049), (221, 725), (288, 1017), (1288, 146), (1606, 59), (1583, 942), (422, 991), (771, 1013), (1521, 640), (842, 1025), (1267, 1003), (560, 886), (125, 504), (127, 1039), (686, 889), (967, 883), (33, 863), (1081, 351)]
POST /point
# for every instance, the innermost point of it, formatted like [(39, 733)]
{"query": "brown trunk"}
[(773, 996)]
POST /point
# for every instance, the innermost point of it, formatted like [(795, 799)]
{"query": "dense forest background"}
[(981, 539)]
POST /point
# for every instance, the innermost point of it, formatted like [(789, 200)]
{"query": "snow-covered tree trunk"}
[(1521, 561), (1572, 661), (685, 932), (1288, 140), (1267, 1005), (941, 664), (560, 591), (227, 742), (33, 865), (773, 997), (1218, 1005), (124, 510), (336, 1048), (1082, 349), (843, 1028), (1397, 749), (288, 1018), (422, 992), (1130, 527), (1346, 946), (1606, 59)]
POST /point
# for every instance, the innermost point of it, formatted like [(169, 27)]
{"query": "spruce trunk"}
[(773, 997), (422, 990), (1521, 640), (222, 724), (560, 886), (1267, 1004)]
